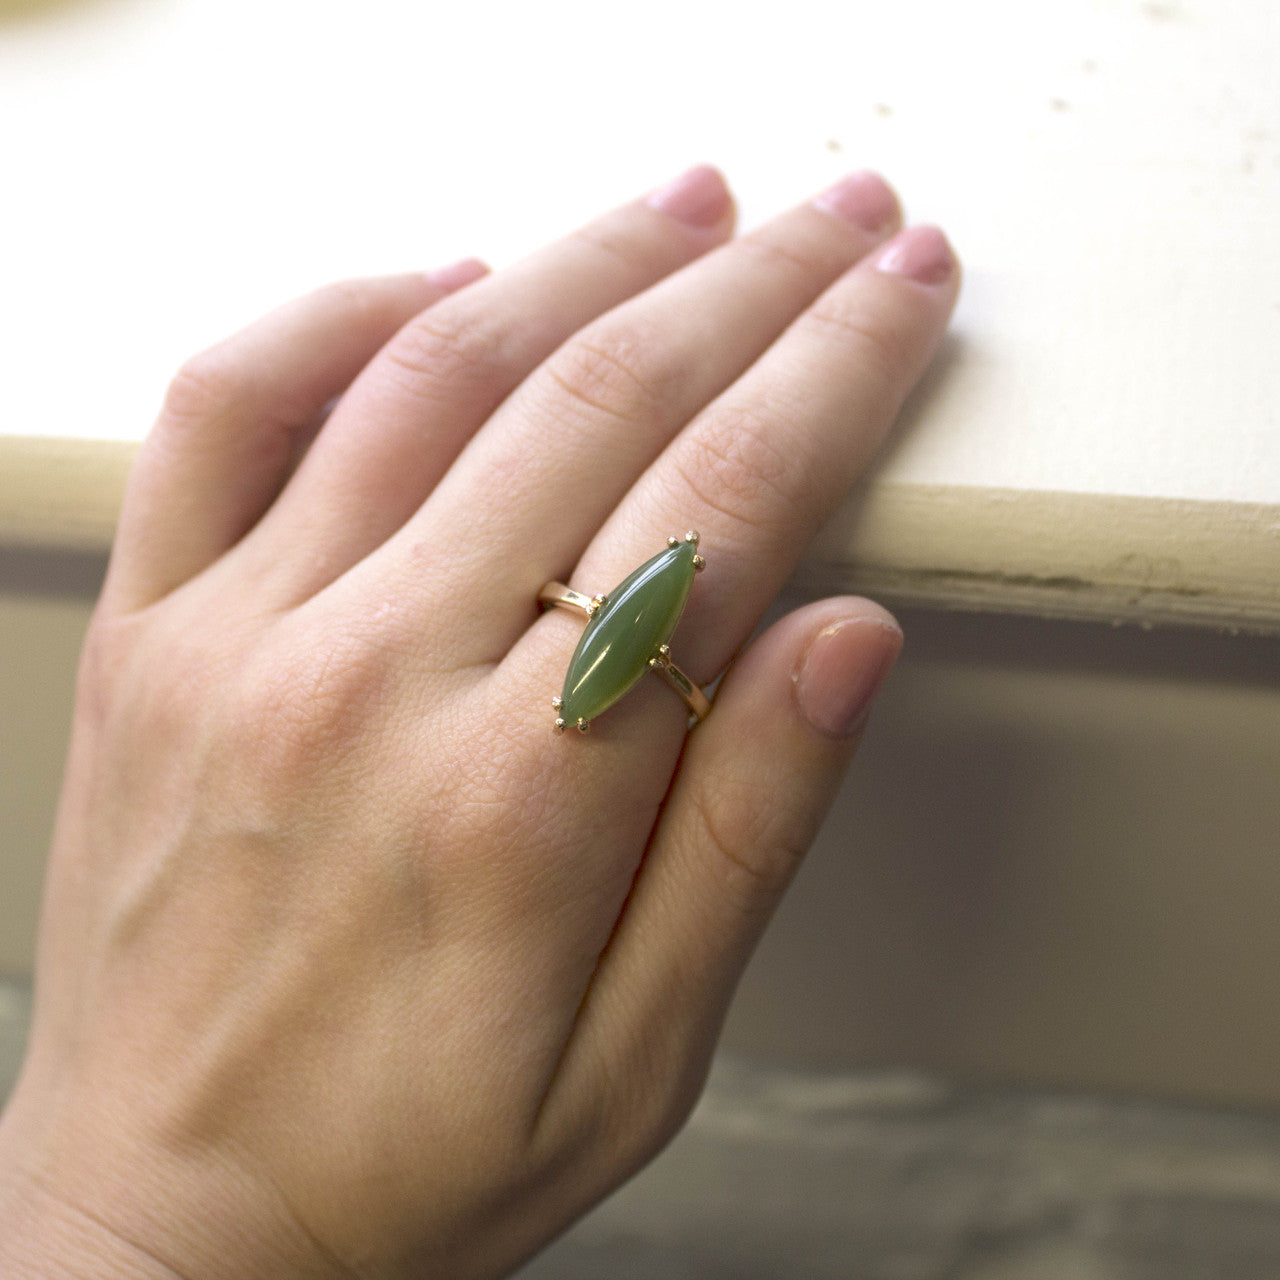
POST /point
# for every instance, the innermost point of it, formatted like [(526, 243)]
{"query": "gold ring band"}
[(556, 593)]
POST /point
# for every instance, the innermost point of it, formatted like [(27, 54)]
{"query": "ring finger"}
[(767, 461)]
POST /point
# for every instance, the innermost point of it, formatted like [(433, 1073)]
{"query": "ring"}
[(626, 635)]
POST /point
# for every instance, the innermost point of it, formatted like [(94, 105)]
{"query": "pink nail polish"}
[(698, 198), (840, 673), (458, 274), (864, 199), (919, 253)]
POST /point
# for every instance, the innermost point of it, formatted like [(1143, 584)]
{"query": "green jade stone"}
[(637, 618)]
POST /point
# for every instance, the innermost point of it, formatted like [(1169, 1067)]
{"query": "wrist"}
[(105, 1210)]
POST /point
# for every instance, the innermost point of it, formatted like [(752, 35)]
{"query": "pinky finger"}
[(235, 417), (754, 784)]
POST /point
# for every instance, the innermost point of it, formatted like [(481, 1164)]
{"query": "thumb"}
[(754, 784)]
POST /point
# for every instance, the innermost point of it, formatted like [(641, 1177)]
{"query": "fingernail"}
[(458, 274), (845, 665), (919, 253), (865, 199), (698, 198)]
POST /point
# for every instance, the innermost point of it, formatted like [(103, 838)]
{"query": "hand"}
[(349, 965)]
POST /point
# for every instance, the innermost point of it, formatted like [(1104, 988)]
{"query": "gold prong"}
[(699, 563), (664, 652), (597, 603), (692, 536), (673, 542), (557, 703), (655, 663), (560, 725), (583, 725)]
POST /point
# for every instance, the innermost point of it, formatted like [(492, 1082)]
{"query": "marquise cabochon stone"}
[(637, 618)]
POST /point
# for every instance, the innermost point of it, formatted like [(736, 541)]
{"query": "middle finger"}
[(765, 463)]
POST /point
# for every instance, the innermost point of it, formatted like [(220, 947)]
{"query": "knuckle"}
[(206, 385), (104, 656), (293, 717), (139, 685), (616, 372), (620, 248), (757, 859), (505, 803), (638, 1130), (443, 346), (352, 293), (627, 1117), (779, 257), (742, 471), (878, 348), (661, 1105), (354, 299)]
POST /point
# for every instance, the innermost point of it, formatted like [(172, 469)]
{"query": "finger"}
[(760, 469), (754, 783), (402, 424), (234, 417), (588, 421)]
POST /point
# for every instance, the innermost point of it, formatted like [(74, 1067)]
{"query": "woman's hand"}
[(350, 965)]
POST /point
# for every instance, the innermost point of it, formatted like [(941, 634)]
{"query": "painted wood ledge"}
[(1104, 557), (1056, 554), (60, 493)]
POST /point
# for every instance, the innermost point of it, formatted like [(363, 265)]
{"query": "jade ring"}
[(626, 635)]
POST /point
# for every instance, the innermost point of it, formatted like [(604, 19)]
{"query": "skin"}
[(350, 966)]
